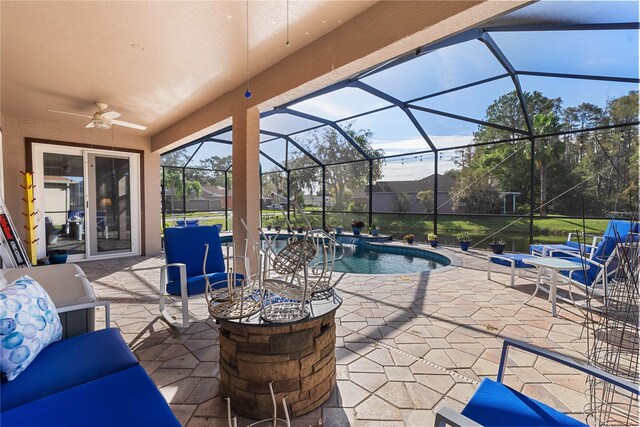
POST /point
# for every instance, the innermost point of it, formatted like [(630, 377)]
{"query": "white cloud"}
[(402, 146), (324, 108), (447, 141), (418, 144)]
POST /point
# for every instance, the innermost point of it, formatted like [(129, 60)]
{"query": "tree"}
[(583, 116), (622, 146), (425, 199), (475, 192), (211, 171), (401, 202), (509, 163), (274, 183), (176, 158), (599, 165), (506, 111), (194, 187), (304, 180), (173, 182), (330, 147), (545, 123)]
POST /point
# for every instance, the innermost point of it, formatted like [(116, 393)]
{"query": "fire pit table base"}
[(298, 357)]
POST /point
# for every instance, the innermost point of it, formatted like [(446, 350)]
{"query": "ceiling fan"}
[(102, 119)]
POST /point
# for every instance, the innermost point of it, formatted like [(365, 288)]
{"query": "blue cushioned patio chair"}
[(617, 228), (184, 249), (495, 404), (598, 269)]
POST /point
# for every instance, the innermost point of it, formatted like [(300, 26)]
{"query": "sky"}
[(602, 52)]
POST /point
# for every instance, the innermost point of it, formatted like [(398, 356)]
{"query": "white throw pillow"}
[(29, 322)]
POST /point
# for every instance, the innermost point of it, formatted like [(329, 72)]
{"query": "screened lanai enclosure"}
[(515, 131)]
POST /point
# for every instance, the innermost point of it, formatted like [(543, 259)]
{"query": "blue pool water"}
[(367, 259)]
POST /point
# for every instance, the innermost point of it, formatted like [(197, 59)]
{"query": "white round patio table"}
[(555, 265)]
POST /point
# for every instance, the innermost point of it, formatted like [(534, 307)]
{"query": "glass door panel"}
[(63, 196), (110, 204)]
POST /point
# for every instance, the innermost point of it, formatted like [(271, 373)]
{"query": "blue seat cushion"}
[(196, 284), (515, 257), (495, 404), (125, 398), (68, 363), (186, 246)]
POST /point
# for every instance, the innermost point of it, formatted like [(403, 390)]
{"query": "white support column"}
[(246, 177)]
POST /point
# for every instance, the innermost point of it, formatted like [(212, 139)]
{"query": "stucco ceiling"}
[(154, 62)]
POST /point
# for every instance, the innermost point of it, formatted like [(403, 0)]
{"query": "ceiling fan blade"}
[(128, 125), (71, 114), (111, 115), (90, 125)]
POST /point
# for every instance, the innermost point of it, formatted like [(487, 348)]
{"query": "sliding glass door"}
[(87, 201), (110, 207)]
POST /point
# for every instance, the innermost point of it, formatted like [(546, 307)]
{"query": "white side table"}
[(555, 265)]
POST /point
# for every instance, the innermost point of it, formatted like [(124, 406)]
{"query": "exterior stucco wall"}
[(16, 129)]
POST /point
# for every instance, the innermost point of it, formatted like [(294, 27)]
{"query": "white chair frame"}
[(599, 285), (184, 294)]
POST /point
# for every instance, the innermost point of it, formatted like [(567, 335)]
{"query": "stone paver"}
[(406, 344)]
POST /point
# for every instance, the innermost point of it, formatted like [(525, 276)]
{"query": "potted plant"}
[(339, 229), (278, 227), (356, 226), (269, 227), (433, 239), (373, 230), (299, 228), (58, 256), (408, 238), (464, 240), (497, 246)]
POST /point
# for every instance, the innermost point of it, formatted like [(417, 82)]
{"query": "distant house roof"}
[(445, 182), (208, 192), (212, 191)]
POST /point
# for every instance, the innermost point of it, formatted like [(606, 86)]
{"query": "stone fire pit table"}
[(299, 358)]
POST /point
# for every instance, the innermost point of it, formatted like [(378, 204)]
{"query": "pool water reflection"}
[(367, 259)]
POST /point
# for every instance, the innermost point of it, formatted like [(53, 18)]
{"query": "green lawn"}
[(559, 227), (206, 218)]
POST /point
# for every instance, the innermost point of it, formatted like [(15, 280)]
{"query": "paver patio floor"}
[(406, 344)]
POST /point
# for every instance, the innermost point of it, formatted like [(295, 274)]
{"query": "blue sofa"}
[(91, 379)]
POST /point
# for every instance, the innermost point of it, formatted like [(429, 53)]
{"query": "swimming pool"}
[(362, 257), (388, 259)]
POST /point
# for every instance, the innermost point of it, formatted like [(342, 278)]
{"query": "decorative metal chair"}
[(285, 280), (289, 277), (273, 421), (239, 295)]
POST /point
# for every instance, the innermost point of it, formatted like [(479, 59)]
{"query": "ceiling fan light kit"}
[(103, 119), (99, 123)]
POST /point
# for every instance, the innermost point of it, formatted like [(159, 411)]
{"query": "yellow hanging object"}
[(30, 215)]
